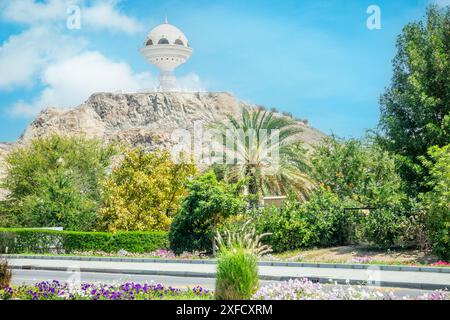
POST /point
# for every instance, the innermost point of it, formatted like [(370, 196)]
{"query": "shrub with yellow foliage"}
[(144, 192)]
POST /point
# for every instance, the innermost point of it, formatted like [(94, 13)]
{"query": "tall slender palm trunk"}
[(252, 185)]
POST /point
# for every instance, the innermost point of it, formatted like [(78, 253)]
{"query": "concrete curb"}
[(261, 263), (323, 280)]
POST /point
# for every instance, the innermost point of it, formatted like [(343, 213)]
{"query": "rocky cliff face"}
[(139, 119), (145, 119)]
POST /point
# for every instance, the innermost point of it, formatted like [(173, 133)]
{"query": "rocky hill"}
[(145, 119)]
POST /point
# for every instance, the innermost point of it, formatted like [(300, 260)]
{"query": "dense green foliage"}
[(415, 124), (358, 174), (144, 191), (385, 227), (55, 182), (352, 175), (363, 175), (321, 221), (359, 170), (208, 203), (415, 110), (49, 241), (437, 200)]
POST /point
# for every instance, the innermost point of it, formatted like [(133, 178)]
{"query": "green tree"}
[(415, 109), (437, 200), (55, 182), (266, 152), (358, 169), (144, 192), (209, 202)]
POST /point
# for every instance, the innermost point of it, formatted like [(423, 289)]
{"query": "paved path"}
[(400, 279)]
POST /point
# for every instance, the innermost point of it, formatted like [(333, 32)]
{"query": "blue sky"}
[(314, 58)]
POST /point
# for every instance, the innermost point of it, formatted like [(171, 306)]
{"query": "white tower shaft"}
[(167, 81)]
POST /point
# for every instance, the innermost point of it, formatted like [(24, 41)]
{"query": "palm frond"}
[(267, 147)]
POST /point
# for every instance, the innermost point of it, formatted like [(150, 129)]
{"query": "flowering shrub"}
[(56, 290), (304, 289)]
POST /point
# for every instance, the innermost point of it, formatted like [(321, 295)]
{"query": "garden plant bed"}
[(56, 290), (299, 289)]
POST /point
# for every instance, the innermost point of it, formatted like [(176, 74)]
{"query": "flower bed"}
[(88, 291), (362, 260), (441, 264), (306, 290), (289, 290), (160, 253)]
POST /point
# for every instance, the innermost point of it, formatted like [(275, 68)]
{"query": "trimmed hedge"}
[(49, 241)]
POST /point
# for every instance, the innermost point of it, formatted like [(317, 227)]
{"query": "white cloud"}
[(57, 59), (105, 16), (190, 82), (101, 15), (32, 12), (70, 82), (23, 56)]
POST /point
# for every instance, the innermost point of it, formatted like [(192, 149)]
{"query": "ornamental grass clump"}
[(5, 274), (237, 264)]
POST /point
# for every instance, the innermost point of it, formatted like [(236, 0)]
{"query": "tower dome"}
[(168, 32), (166, 47)]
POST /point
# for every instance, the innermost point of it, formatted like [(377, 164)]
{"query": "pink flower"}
[(440, 264)]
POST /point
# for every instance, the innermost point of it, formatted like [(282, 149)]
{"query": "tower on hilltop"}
[(166, 47)]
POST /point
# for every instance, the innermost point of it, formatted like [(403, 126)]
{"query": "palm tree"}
[(265, 149)]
